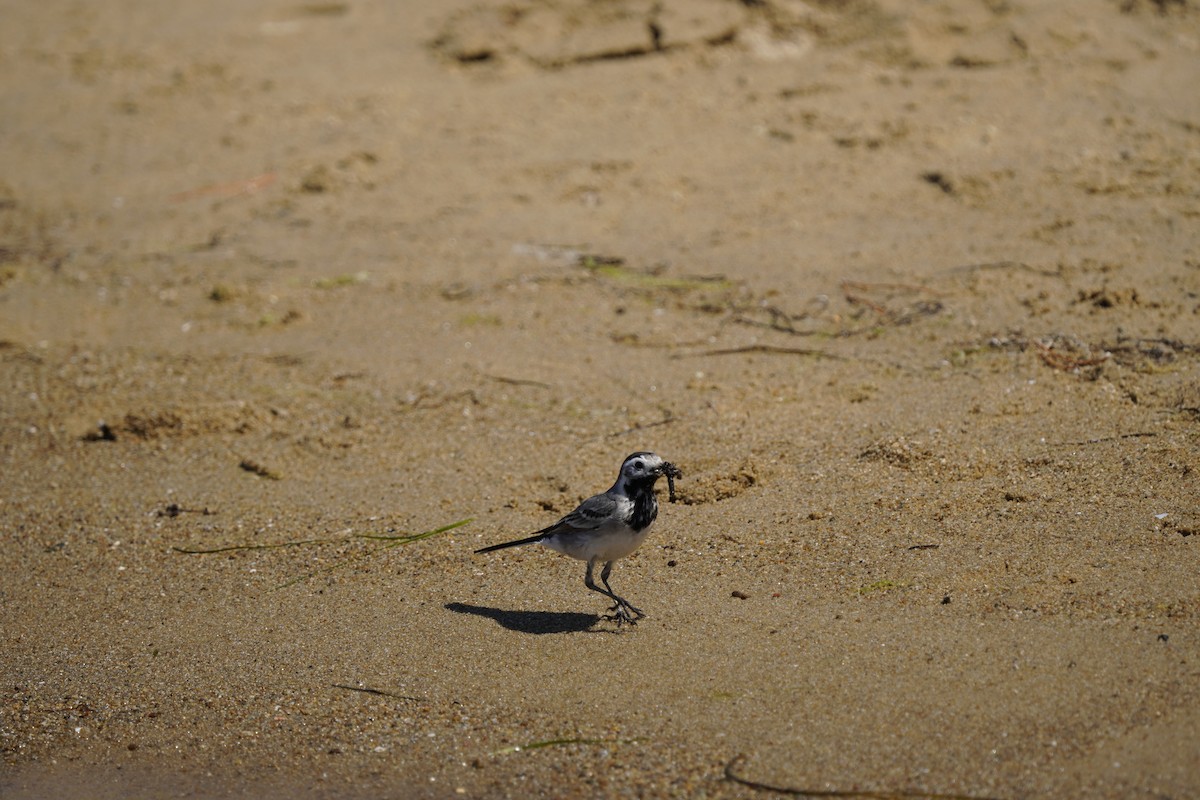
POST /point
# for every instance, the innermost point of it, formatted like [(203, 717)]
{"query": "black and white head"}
[(641, 470)]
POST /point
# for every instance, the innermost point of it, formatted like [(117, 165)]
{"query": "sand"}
[(909, 291)]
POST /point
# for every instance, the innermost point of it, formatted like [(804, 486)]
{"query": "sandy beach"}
[(302, 303)]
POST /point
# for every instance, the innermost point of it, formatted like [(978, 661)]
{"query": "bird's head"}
[(642, 469)]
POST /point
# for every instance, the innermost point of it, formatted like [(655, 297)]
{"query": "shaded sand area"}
[(909, 291)]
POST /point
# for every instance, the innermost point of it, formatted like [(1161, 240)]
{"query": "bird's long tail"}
[(537, 537)]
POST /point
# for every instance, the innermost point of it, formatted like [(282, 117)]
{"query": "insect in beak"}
[(672, 472)]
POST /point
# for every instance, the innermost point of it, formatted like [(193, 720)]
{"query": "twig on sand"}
[(770, 349), (871, 795), (517, 381), (174, 510), (369, 690)]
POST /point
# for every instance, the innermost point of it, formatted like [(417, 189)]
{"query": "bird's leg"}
[(591, 584), (621, 608), (621, 601)]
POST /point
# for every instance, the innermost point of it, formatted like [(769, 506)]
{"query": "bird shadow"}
[(536, 622)]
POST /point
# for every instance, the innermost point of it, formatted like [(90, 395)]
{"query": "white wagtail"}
[(609, 526)]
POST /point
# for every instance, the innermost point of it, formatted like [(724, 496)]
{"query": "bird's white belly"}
[(605, 544)]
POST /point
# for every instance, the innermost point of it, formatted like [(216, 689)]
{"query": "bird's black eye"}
[(638, 464)]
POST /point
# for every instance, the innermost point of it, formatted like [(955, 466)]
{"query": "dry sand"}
[(909, 290)]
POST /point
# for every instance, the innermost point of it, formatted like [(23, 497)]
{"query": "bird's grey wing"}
[(591, 514)]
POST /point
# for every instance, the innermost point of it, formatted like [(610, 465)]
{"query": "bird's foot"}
[(627, 605), (621, 618), (625, 613)]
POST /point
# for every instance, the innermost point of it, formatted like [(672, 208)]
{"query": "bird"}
[(609, 526)]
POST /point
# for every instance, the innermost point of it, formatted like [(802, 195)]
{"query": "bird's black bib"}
[(645, 507)]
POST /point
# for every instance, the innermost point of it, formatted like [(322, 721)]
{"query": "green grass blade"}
[(394, 541)]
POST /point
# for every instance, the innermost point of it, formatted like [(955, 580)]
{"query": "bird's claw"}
[(623, 614), (621, 618)]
